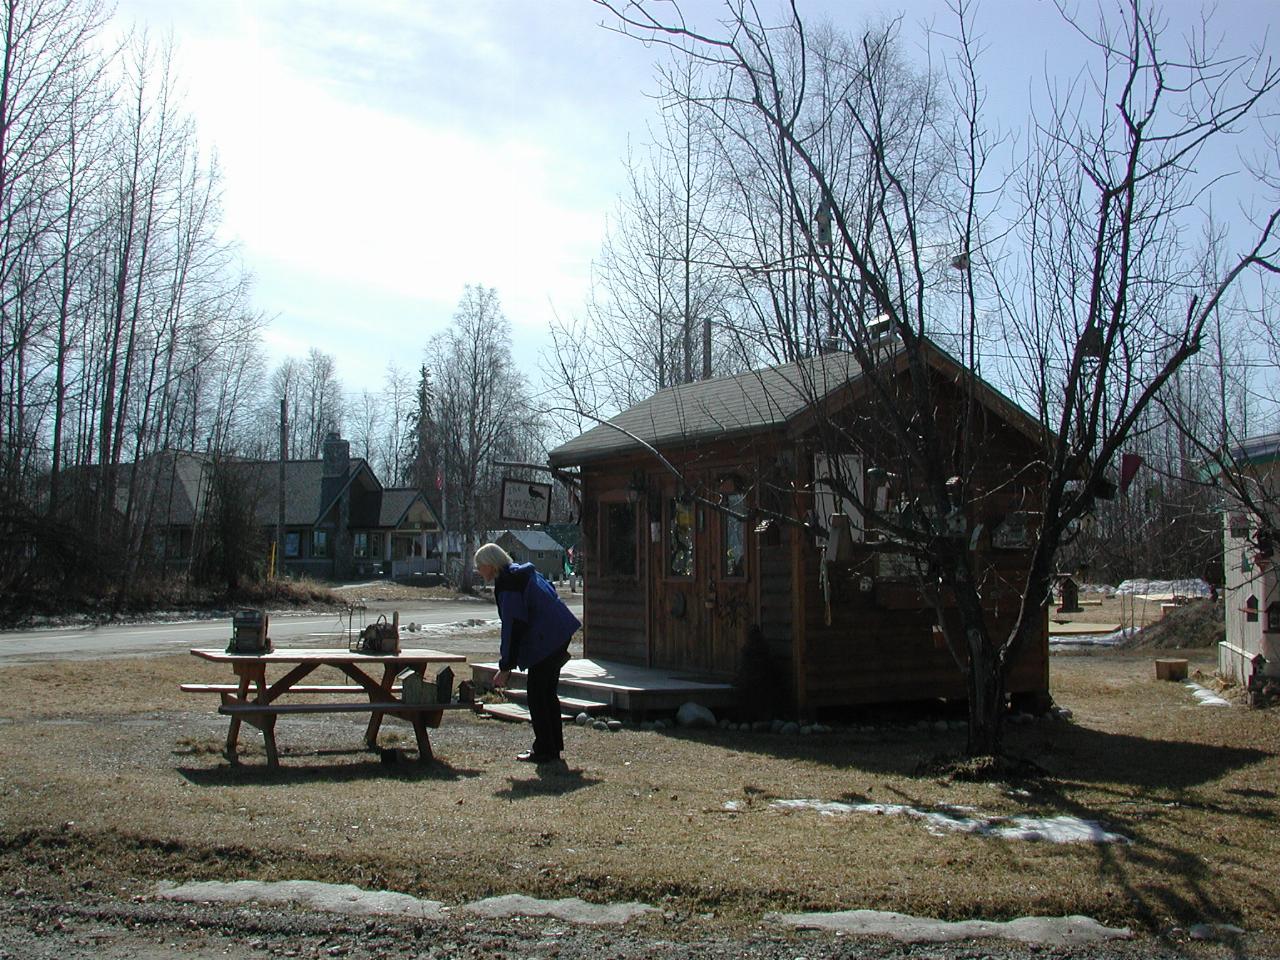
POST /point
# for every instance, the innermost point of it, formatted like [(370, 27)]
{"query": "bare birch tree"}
[(896, 207), (479, 413)]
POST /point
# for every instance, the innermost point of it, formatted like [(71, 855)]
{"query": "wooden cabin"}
[(672, 582)]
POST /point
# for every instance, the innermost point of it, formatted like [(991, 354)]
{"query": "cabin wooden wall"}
[(777, 586), (881, 646)]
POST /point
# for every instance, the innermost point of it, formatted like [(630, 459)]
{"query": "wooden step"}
[(568, 705), (515, 712)]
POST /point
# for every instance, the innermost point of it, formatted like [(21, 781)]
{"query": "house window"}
[(619, 540), (679, 537), (1251, 610), (1239, 526), (319, 543), (366, 546), (292, 544), (1273, 616), (734, 542)]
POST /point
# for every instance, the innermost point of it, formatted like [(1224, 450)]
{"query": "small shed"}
[(536, 547), (671, 583), (1251, 650)]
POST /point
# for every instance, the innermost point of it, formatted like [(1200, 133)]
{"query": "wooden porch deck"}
[(624, 688)]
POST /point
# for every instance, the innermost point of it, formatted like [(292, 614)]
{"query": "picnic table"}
[(254, 700)]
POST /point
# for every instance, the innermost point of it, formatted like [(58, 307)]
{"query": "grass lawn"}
[(110, 779)]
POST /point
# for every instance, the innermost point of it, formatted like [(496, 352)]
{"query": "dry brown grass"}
[(110, 779)]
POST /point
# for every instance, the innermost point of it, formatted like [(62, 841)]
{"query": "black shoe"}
[(529, 756)]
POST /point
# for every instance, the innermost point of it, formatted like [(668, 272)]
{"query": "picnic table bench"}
[(257, 702)]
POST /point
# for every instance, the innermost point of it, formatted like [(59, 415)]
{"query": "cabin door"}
[(679, 571), (727, 594), (700, 584)]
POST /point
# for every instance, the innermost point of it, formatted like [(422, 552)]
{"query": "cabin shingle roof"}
[(759, 400), (720, 407)]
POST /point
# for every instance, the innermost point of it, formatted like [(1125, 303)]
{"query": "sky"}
[(377, 156)]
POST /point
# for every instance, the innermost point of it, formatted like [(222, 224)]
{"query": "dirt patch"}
[(1197, 625), (390, 590)]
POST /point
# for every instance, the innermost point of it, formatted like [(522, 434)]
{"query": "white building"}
[(1251, 517)]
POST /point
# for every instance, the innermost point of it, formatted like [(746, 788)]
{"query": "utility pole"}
[(442, 484), (284, 455)]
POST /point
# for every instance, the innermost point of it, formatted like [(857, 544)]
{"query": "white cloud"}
[(391, 203)]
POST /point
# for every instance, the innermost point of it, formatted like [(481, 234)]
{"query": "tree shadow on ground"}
[(1061, 750), (1069, 751)]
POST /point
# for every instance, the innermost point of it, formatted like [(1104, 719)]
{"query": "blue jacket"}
[(535, 621)]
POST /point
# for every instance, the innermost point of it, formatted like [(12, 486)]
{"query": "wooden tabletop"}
[(331, 655)]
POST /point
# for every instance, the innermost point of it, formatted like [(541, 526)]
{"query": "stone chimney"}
[(337, 455)]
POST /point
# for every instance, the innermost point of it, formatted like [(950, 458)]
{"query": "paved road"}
[(456, 626)]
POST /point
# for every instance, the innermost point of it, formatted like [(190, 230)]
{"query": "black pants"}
[(544, 703)]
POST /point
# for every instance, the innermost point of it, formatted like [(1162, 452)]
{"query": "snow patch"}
[(1206, 697), (1093, 639), (1162, 588), (1047, 931), (951, 819), (347, 899), (570, 909), (328, 897)]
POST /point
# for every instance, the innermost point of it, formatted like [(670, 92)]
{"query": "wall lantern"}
[(729, 483), (635, 489)]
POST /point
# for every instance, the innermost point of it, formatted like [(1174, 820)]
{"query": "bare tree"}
[(313, 402), (396, 405), (478, 412), (893, 199), (125, 321), (48, 67), (660, 296)]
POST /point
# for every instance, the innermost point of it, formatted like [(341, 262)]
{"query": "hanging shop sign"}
[(525, 501)]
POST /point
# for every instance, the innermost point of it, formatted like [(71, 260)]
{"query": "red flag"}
[(1129, 464)]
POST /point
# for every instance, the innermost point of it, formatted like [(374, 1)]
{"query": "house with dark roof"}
[(339, 521), (687, 550), (533, 546)]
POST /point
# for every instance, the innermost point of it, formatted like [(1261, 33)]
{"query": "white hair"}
[(492, 555)]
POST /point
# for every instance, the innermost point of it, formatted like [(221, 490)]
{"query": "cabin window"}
[(1273, 617), (319, 543), (1239, 526), (619, 540), (1251, 610), (679, 537), (292, 544), (734, 540), (830, 474)]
